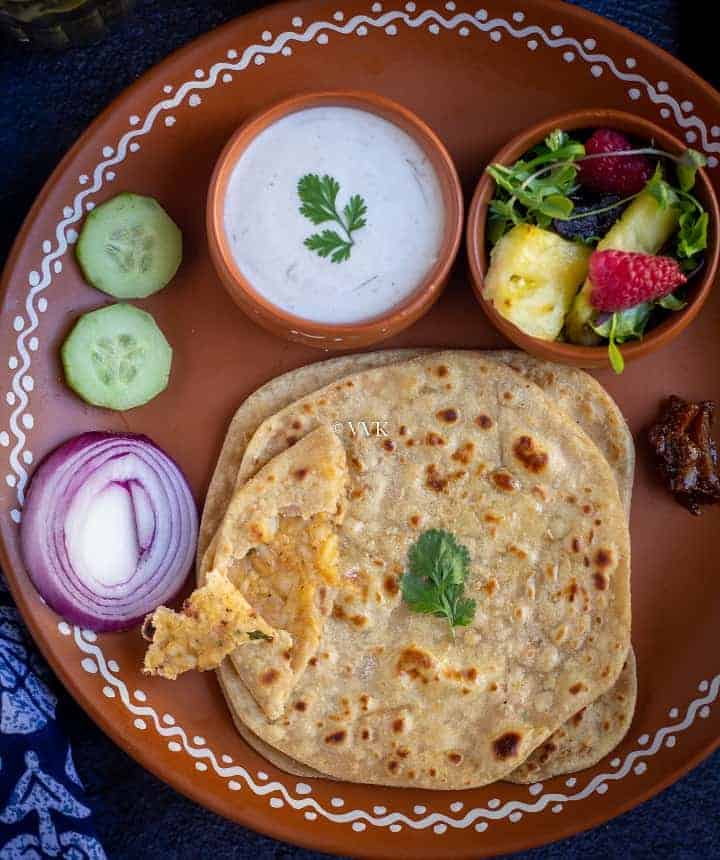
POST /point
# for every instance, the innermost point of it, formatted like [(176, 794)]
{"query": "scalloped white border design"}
[(27, 342)]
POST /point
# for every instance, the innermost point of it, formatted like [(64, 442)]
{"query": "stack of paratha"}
[(310, 515)]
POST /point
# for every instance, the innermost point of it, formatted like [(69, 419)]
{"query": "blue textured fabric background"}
[(46, 101)]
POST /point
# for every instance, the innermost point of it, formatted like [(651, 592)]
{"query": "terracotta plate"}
[(476, 75)]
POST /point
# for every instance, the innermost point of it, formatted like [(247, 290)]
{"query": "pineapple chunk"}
[(533, 277), (644, 227)]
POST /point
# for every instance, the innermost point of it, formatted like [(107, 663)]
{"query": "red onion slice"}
[(109, 529)]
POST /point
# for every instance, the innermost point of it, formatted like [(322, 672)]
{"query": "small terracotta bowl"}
[(330, 336), (591, 356)]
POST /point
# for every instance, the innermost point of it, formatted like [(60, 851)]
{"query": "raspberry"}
[(623, 279), (622, 174)]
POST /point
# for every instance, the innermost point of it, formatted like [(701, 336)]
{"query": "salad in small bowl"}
[(592, 238)]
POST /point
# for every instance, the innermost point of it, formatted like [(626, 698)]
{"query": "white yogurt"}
[(368, 156)]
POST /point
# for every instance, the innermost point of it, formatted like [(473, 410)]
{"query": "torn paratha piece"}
[(276, 550), (215, 620), (278, 545)]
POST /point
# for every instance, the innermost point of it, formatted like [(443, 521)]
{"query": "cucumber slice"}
[(116, 357), (129, 247)]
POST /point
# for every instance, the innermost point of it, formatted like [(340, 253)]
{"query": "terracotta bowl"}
[(330, 336), (591, 356)]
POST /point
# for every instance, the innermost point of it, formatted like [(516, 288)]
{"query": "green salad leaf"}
[(434, 583), (693, 221), (622, 326), (661, 189), (631, 324), (671, 303), (535, 189), (687, 167), (693, 233)]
